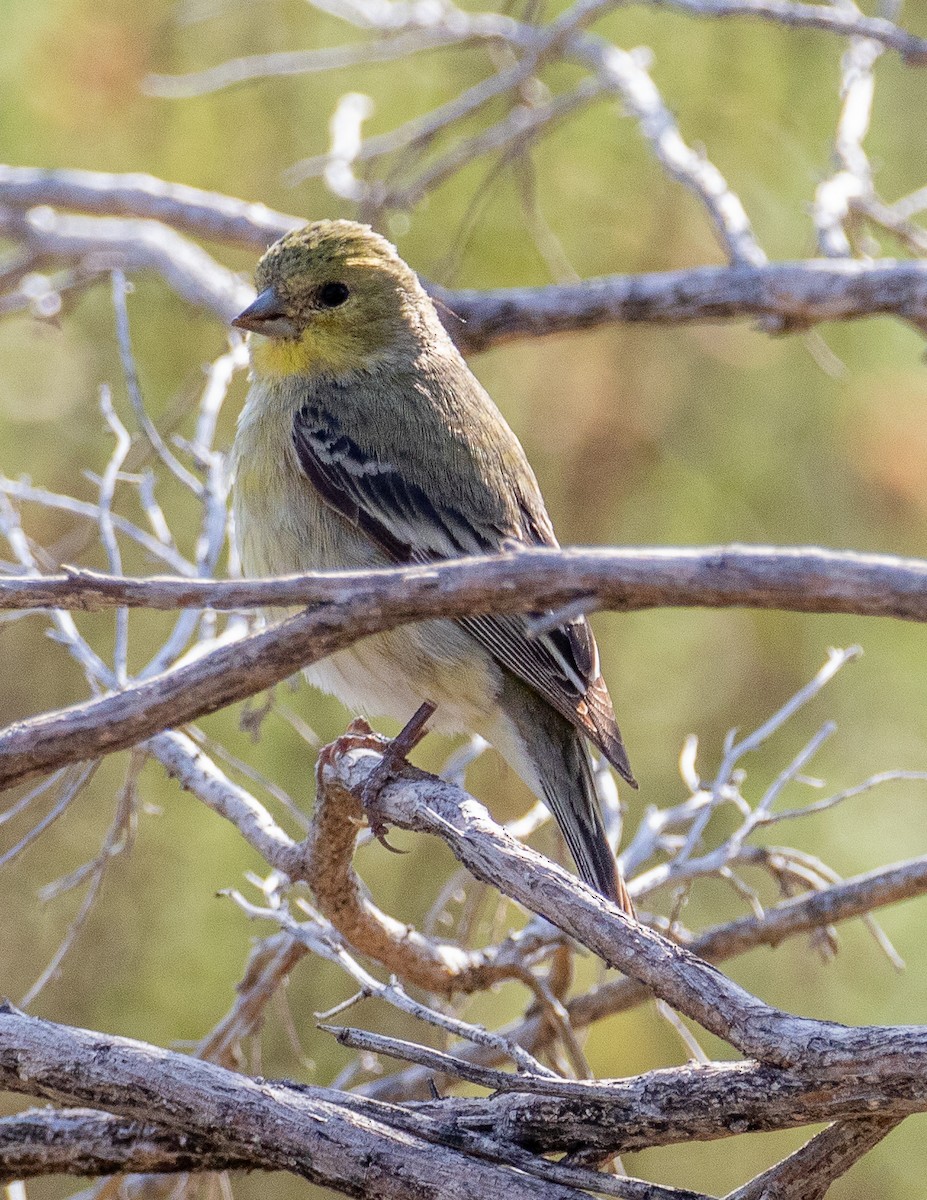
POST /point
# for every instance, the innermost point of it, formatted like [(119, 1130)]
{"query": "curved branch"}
[(210, 215), (435, 966), (109, 243), (697, 989)]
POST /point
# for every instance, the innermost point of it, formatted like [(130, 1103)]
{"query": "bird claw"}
[(393, 754), (383, 773)]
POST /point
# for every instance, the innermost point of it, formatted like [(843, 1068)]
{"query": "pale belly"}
[(390, 675)]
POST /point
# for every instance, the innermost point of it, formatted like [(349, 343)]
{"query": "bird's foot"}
[(393, 754), (357, 736)]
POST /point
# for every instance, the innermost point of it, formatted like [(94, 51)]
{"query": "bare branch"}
[(304, 1130), (184, 693), (697, 990), (790, 295), (845, 20), (69, 792), (420, 131), (325, 1136), (852, 181), (323, 939), (808, 1173), (207, 215), (840, 902), (483, 27), (196, 772), (695, 1102), (80, 1141), (794, 579), (107, 243), (32, 1141), (684, 1096), (119, 292), (624, 73), (795, 295), (440, 967), (355, 606), (159, 550), (513, 134)]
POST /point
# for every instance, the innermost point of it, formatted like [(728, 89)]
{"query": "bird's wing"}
[(410, 525)]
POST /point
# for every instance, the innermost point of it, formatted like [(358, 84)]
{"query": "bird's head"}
[(333, 297)]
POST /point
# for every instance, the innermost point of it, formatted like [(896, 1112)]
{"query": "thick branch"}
[(659, 1108), (354, 1145), (678, 1104), (180, 1104), (656, 1109), (364, 603), (319, 1133), (84, 1142), (304, 1131)]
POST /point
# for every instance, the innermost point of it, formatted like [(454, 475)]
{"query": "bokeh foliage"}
[(642, 436)]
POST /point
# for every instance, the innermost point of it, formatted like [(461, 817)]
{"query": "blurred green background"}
[(639, 436)]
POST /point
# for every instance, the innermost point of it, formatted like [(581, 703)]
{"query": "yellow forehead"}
[(323, 248)]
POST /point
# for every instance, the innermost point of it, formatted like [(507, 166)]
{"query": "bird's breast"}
[(282, 524)]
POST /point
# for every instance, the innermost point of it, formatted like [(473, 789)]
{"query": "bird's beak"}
[(267, 316)]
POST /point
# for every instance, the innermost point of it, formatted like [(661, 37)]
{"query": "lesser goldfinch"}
[(365, 441)]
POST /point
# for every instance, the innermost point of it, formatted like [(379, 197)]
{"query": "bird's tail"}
[(571, 796), (559, 761)]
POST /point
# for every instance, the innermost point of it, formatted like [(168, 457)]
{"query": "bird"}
[(366, 441)]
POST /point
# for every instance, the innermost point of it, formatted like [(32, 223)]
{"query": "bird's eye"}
[(333, 294)]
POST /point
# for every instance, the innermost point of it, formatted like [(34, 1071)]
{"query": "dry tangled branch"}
[(158, 1108)]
